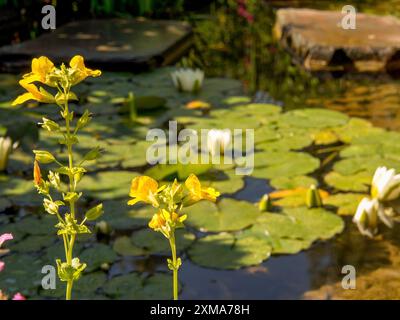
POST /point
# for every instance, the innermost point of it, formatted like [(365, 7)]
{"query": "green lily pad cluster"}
[(293, 150)]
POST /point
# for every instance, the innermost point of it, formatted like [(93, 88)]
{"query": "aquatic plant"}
[(188, 79), (385, 187), (62, 79), (313, 197), (218, 141), (169, 200)]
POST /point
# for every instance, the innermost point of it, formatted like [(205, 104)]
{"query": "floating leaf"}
[(292, 182), (96, 255), (226, 215), (346, 203), (156, 243), (354, 182), (223, 251), (124, 247)]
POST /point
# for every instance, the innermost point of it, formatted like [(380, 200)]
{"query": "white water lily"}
[(385, 184), (187, 79), (218, 141), (6, 147), (366, 217)]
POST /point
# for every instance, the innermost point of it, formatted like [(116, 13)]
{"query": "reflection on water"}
[(233, 45)]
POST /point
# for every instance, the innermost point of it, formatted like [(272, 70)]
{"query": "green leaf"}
[(94, 213)]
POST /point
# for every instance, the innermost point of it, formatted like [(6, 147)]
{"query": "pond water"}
[(226, 45), (231, 45)]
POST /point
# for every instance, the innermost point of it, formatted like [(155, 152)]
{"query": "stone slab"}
[(111, 44), (317, 40)]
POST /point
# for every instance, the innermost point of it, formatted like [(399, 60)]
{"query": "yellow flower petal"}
[(144, 189), (81, 72)]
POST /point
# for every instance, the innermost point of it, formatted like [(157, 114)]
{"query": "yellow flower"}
[(144, 189), (33, 93), (41, 69), (157, 222), (198, 104), (197, 193), (166, 222), (80, 72)]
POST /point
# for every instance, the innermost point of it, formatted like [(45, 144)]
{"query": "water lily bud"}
[(313, 198), (385, 184), (265, 203), (43, 156), (50, 125), (6, 147), (366, 217), (187, 79)]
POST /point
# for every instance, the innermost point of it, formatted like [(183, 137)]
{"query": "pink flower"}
[(5, 237), (18, 296), (2, 265)]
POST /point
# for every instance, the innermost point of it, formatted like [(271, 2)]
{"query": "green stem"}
[(68, 294), (175, 269), (69, 245)]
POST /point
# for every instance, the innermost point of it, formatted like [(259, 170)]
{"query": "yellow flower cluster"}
[(169, 200), (44, 71)]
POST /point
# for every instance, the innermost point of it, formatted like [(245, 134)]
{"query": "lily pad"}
[(346, 203), (226, 215), (107, 185), (96, 255), (120, 216), (292, 182), (223, 251), (355, 182), (124, 247), (155, 243), (290, 164)]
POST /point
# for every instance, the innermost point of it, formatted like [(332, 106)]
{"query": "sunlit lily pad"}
[(346, 203), (292, 182), (108, 184), (355, 182), (223, 251), (283, 164), (314, 118), (226, 215)]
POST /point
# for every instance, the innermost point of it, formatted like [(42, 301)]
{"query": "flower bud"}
[(265, 203), (50, 125), (313, 198), (37, 176), (84, 120), (43, 156)]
